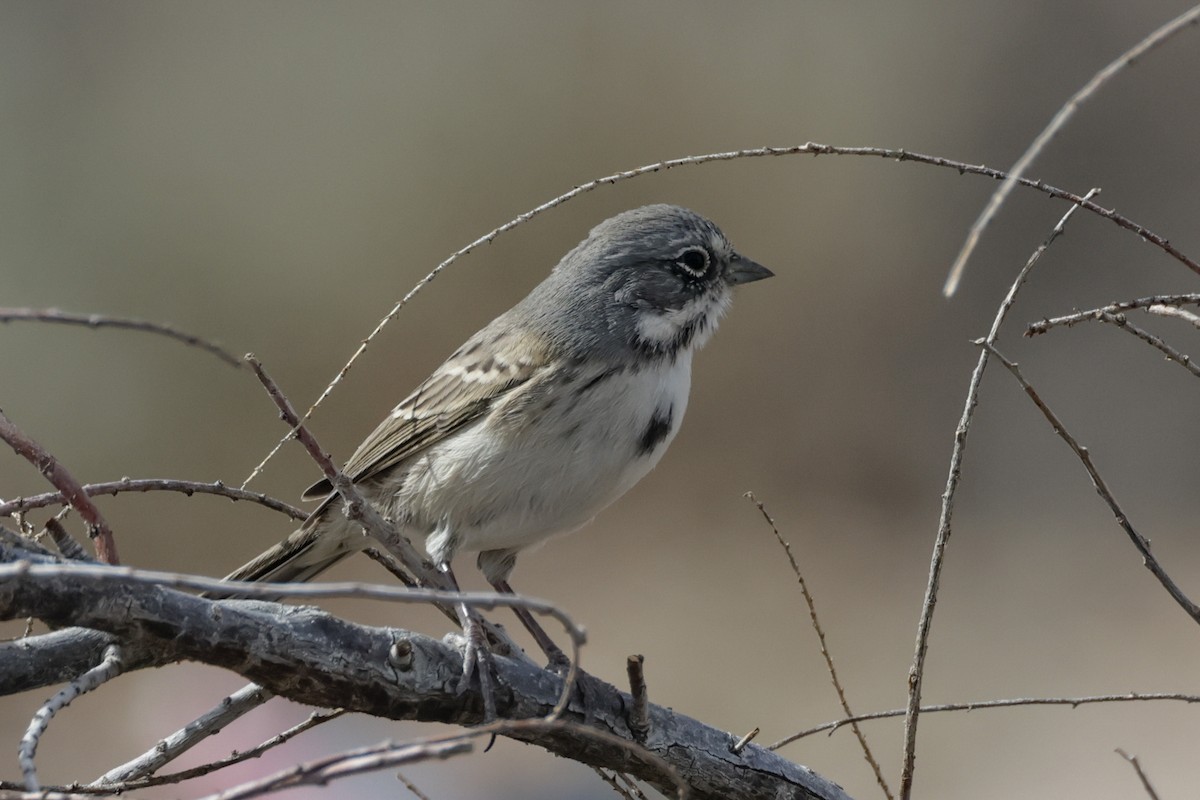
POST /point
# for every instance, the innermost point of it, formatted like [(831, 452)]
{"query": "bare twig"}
[(1137, 766), (816, 624), (417, 793), (639, 714), (172, 747), (1036, 328), (916, 673), (61, 479), (344, 765), (809, 148), (741, 743), (103, 321), (617, 786), (1073, 702), (1141, 543), (357, 508), (1060, 119), (1114, 314), (314, 719), (17, 505), (1122, 322), (1176, 312), (106, 670)]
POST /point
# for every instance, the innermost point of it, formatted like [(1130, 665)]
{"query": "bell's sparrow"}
[(543, 417)]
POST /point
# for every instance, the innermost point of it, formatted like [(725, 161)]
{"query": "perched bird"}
[(546, 415)]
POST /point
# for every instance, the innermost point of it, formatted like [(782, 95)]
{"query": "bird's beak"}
[(743, 270)]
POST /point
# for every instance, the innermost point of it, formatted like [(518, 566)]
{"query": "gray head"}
[(654, 279)]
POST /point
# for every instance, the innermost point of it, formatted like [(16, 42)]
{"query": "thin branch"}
[(1141, 543), (816, 624), (1182, 359), (809, 148), (172, 747), (1176, 312), (1037, 328), (1073, 702), (746, 739), (61, 479), (357, 508), (105, 671), (1060, 119), (1113, 314), (103, 321), (19, 504), (344, 765), (314, 719), (615, 785), (916, 673), (417, 793), (1137, 766)]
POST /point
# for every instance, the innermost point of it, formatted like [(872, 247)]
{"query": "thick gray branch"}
[(312, 657)]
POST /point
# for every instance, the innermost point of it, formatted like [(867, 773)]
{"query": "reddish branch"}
[(61, 479)]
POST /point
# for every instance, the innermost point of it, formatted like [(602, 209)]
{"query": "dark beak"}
[(743, 270)]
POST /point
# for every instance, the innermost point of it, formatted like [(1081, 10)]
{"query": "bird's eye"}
[(694, 261)]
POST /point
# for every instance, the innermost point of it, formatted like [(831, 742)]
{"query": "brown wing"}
[(460, 391)]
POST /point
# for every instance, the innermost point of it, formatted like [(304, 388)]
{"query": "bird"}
[(543, 417)]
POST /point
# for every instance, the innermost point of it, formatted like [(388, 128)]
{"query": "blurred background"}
[(274, 176)]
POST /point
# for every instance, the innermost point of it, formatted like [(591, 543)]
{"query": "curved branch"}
[(7, 509), (103, 321)]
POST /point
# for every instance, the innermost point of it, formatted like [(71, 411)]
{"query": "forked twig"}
[(1122, 322), (173, 746), (314, 719), (1036, 328)]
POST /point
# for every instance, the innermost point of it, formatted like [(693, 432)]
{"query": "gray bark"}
[(312, 657)]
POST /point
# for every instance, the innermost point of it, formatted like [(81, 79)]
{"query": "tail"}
[(322, 541)]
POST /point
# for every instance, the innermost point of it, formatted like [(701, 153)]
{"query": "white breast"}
[(491, 487)]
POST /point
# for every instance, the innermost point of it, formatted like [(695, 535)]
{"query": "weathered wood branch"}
[(315, 658)]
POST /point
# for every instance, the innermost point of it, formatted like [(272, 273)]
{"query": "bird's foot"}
[(477, 661)]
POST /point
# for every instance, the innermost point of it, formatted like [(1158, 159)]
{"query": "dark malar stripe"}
[(656, 431), (683, 339)]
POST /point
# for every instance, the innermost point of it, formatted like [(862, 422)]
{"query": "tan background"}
[(275, 175)]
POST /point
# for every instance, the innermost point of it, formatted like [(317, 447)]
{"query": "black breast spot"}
[(656, 431)]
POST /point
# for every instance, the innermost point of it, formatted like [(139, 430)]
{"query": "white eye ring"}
[(694, 261)]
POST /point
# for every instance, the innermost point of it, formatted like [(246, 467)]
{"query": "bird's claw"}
[(477, 660)]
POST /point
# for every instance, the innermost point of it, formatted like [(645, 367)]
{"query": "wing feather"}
[(460, 391)]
